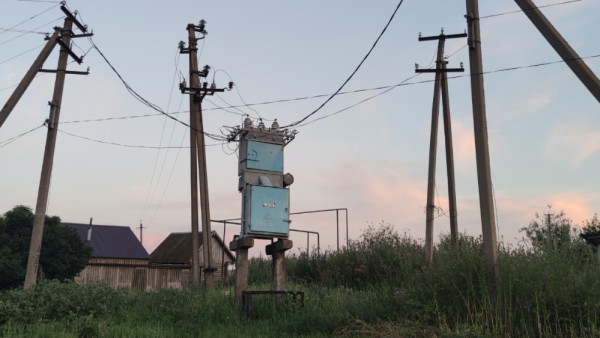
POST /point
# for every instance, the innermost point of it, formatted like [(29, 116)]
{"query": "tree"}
[(553, 233), (63, 253), (591, 226)]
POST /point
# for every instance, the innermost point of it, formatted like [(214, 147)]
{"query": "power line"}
[(146, 102), (126, 145), (4, 30), (354, 72), (148, 194), (26, 20), (25, 52), (401, 84), (518, 11), (18, 36), (14, 138)]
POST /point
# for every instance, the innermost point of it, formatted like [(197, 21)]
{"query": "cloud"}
[(572, 143)]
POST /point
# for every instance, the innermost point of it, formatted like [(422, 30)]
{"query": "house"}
[(118, 258), (171, 262)]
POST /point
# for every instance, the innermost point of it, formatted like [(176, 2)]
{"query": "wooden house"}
[(171, 262), (118, 258)]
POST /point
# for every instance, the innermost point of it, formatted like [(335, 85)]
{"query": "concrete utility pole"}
[(449, 157), (482, 153), (435, 112), (441, 85), (194, 82), (141, 227), (198, 156), (562, 47), (44, 187), (31, 73)]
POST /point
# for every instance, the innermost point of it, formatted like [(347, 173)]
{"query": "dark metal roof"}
[(111, 241), (177, 249)]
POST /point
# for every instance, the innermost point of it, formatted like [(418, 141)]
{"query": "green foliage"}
[(380, 257), (591, 226), (62, 256), (540, 293), (551, 234)]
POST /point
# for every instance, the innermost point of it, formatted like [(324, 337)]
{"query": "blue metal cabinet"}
[(269, 210), (264, 156)]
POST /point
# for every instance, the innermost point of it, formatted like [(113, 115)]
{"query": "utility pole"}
[(198, 170), (141, 227), (562, 47), (441, 85), (31, 73), (55, 105), (482, 153)]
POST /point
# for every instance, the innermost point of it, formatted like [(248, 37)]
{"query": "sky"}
[(372, 159)]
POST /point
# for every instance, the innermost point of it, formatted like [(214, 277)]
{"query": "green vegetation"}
[(379, 286), (63, 253)]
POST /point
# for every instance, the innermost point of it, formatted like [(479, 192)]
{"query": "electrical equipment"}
[(265, 197)]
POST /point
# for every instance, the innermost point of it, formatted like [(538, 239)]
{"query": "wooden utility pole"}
[(44, 187), (197, 93), (482, 153), (441, 85), (562, 47)]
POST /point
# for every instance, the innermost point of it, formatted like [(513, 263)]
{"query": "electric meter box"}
[(263, 156), (267, 211)]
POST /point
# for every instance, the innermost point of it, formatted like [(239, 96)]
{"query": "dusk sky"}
[(543, 124)]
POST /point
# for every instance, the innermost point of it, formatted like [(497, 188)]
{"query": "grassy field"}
[(379, 286)]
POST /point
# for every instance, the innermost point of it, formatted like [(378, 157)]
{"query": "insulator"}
[(247, 123), (213, 86), (275, 126), (261, 125)]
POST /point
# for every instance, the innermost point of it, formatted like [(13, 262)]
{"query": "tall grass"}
[(379, 285), (542, 292)]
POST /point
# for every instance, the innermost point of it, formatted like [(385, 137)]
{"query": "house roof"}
[(111, 241), (177, 248)]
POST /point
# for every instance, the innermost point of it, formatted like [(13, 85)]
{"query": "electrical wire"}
[(4, 30), (351, 75), (18, 36), (14, 138), (146, 102), (127, 145), (401, 84), (172, 170), (237, 90), (519, 10), (26, 20), (23, 53), (148, 198)]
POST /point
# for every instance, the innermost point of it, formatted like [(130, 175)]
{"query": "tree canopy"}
[(63, 253)]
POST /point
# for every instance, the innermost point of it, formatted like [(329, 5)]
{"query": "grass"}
[(379, 286)]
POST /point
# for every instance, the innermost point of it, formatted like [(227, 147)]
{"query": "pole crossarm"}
[(442, 37), (73, 19), (444, 70), (66, 71)]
